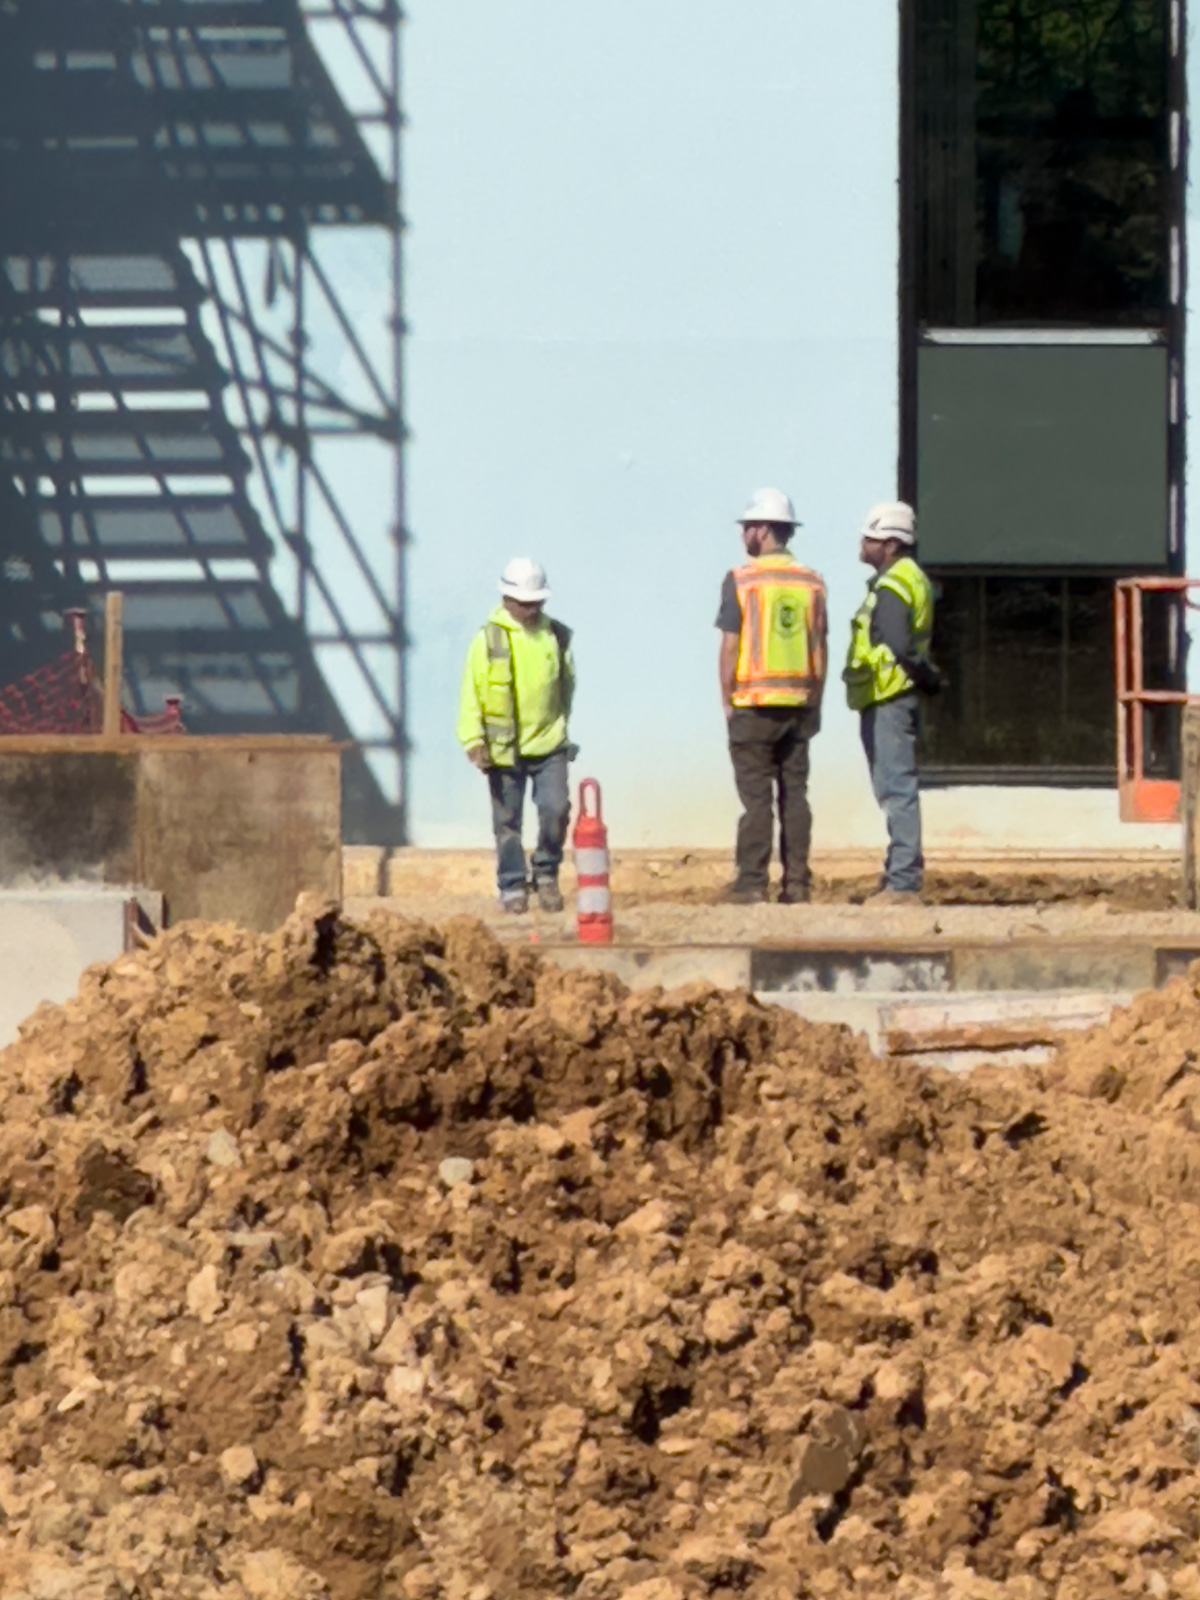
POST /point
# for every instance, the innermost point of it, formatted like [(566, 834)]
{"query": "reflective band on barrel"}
[(591, 863), (593, 902)]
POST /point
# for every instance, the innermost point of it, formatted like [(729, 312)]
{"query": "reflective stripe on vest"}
[(781, 656), (500, 702), (872, 673)]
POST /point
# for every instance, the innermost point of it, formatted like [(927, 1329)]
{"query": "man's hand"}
[(477, 755), (727, 708)]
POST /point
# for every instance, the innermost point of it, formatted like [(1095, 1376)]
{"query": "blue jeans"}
[(889, 736), (551, 797)]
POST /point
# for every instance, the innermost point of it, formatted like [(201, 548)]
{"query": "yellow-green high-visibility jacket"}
[(517, 689), (873, 674)]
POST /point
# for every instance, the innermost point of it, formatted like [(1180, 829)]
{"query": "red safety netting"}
[(65, 697)]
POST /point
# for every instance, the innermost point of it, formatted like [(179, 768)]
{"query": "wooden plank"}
[(38, 744), (1019, 1036), (114, 663), (1190, 806)]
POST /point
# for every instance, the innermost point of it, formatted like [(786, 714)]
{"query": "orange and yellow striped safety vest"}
[(781, 648)]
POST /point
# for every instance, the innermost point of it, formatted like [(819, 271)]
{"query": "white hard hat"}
[(769, 505), (891, 520), (523, 579)]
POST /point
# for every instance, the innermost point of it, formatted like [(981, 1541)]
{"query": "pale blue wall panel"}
[(652, 266)]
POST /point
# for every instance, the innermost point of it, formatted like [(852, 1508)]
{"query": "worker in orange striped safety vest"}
[(772, 668)]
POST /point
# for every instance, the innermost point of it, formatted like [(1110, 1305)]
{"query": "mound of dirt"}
[(1146, 1059), (692, 880), (1121, 889), (360, 1260)]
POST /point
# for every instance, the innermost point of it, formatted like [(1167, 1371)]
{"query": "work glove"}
[(477, 755)]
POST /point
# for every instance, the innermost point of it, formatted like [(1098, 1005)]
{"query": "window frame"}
[(911, 337)]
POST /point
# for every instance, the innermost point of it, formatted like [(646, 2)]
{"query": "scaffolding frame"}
[(198, 324), (285, 406), (1147, 796)]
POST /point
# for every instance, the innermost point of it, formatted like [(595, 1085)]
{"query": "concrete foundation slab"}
[(227, 829), (49, 937), (861, 1013), (852, 970), (1051, 964), (725, 966), (1020, 1013), (848, 970), (958, 1031)]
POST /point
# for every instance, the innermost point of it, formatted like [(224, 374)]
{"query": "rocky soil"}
[(361, 1260)]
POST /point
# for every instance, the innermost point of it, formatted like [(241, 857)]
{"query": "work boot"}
[(742, 894), (514, 901), (893, 897), (549, 895), (799, 895)]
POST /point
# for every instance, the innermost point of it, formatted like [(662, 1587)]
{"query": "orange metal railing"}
[(1143, 798)]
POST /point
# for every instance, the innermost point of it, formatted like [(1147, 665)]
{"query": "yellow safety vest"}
[(872, 673), (489, 695), (781, 647)]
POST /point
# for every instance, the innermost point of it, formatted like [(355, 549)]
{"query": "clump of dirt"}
[(362, 1260), (1122, 889), (1154, 889), (1145, 1059)]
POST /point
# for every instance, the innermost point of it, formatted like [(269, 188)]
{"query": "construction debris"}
[(359, 1260)]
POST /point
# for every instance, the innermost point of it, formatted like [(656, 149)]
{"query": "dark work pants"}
[(889, 736), (552, 800), (769, 749)]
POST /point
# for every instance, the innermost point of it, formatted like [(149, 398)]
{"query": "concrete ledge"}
[(833, 975), (724, 966), (1105, 965), (853, 969), (364, 870), (958, 1031)]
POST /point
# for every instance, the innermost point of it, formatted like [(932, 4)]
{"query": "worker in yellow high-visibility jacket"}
[(772, 673), (888, 666), (517, 690)]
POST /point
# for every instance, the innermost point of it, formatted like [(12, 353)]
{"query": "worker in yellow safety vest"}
[(772, 672), (517, 689), (888, 666)]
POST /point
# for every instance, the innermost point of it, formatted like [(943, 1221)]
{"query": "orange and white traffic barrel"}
[(590, 843)]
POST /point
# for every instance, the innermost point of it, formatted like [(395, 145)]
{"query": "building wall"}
[(652, 266)]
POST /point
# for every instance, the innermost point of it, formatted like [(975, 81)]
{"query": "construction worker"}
[(517, 690), (887, 667), (772, 672)]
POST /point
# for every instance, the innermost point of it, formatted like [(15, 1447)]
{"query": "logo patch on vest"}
[(788, 617)]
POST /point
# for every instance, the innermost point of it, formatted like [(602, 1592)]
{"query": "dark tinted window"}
[(1042, 162), (1029, 675)]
